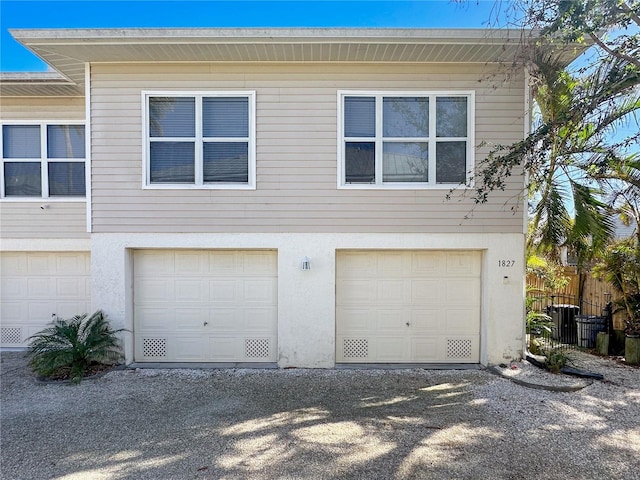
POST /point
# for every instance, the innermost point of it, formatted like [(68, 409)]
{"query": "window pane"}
[(66, 178), (172, 116), (225, 117), (451, 117), (21, 141), (405, 162), (405, 117), (226, 162), (172, 162), (22, 179), (451, 162), (359, 116), (360, 162), (65, 141)]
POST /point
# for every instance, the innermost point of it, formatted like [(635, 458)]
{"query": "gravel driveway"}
[(319, 424)]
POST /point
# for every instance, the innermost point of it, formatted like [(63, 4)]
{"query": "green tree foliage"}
[(575, 157), (70, 347)]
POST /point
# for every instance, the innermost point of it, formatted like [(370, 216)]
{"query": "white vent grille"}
[(256, 347), (11, 335), (355, 348), (154, 347), (458, 348)]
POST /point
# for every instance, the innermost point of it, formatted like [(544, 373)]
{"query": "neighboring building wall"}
[(296, 151), (25, 219)]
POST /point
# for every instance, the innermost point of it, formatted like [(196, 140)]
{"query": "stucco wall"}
[(306, 300)]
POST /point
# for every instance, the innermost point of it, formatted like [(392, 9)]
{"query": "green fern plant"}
[(71, 346)]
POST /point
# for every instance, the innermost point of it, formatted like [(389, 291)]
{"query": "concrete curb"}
[(537, 386)]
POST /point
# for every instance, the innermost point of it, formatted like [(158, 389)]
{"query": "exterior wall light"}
[(305, 264)]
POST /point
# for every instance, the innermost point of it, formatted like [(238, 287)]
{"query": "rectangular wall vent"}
[(11, 335), (355, 348), (154, 347), (256, 347), (458, 348)]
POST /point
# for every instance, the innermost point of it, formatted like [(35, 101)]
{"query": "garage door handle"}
[(407, 324), (206, 323)]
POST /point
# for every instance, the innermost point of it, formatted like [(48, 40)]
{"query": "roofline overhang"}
[(67, 51)]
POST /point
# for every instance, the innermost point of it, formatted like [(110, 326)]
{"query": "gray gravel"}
[(320, 424)]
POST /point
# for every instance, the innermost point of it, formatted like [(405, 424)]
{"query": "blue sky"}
[(238, 13)]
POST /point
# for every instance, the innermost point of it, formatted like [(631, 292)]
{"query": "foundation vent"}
[(154, 347), (458, 348), (11, 335), (355, 348), (256, 347)]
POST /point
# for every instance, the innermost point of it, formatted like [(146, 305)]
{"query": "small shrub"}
[(69, 347), (556, 360)]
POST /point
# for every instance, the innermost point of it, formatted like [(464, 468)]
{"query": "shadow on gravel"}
[(268, 424)]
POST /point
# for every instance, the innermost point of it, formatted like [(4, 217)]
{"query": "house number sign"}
[(506, 263)]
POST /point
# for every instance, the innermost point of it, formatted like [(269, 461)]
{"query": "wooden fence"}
[(593, 291)]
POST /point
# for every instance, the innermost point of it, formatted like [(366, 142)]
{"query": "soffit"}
[(68, 50)]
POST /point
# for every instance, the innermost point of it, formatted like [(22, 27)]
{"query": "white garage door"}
[(205, 306), (407, 307), (38, 285)]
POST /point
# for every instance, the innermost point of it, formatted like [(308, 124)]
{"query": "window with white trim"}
[(405, 139), (41, 160), (200, 140)]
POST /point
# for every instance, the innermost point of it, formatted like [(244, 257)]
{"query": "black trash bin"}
[(564, 322), (588, 327)]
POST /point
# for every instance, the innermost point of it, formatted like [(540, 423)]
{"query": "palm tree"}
[(69, 347)]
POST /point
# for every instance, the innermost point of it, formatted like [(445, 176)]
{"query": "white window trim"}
[(470, 139), (199, 185), (44, 162)]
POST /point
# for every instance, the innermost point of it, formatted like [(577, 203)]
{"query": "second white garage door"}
[(205, 306), (408, 306)]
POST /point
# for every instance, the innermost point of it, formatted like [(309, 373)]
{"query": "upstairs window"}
[(200, 140), (405, 140), (43, 160)]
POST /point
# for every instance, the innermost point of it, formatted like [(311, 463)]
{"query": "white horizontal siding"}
[(296, 109)]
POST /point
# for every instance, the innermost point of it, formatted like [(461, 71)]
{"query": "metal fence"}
[(570, 322)]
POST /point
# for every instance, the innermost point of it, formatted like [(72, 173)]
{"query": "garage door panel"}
[(224, 291), (224, 349), (189, 349), (259, 291), (40, 287), (427, 264), (190, 319), (427, 292), (427, 320), (391, 320), (13, 287), (189, 263), (463, 321), (425, 349), (258, 263), (153, 263), (391, 349), (225, 300), (391, 264), (353, 319), (357, 292), (223, 319), (41, 264), (14, 264), (263, 320), (393, 291), (462, 291), (425, 307), (190, 291), (71, 287), (463, 263), (71, 264), (156, 319)]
